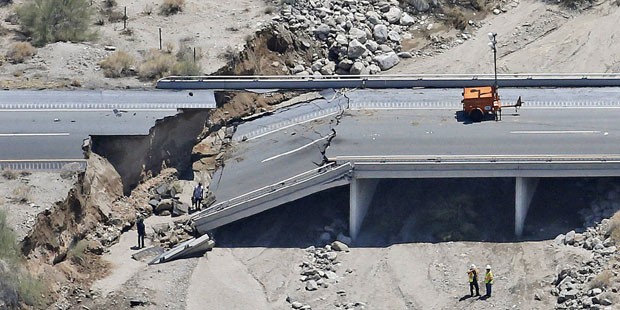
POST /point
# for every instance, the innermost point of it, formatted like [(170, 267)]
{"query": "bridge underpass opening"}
[(477, 209), (316, 220), (427, 210)]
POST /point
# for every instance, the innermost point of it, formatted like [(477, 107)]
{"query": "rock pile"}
[(364, 37), (168, 236), (589, 286), (320, 268), (165, 200)]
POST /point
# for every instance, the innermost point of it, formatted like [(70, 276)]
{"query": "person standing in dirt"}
[(141, 231), (197, 197), (488, 281), (472, 273)]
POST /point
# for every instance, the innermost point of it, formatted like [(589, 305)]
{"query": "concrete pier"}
[(524, 191), (360, 196)]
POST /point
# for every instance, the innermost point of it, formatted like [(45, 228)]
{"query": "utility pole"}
[(492, 44)]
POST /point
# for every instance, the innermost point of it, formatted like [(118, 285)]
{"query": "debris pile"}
[(595, 283)]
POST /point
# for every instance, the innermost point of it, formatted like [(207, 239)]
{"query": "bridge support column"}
[(360, 196), (524, 191)]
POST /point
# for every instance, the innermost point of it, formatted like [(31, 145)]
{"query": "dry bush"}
[(5, 2), (602, 280), (456, 18), (20, 51), (22, 194), (170, 7), (117, 65), (115, 16), (156, 65), (187, 58), (9, 173)]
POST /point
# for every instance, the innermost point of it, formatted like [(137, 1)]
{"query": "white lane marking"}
[(291, 125), (33, 134), (555, 132), (295, 150)]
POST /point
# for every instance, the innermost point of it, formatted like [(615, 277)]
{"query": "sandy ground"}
[(211, 27), (28, 195)]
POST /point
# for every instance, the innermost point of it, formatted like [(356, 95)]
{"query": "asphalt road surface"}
[(576, 121)]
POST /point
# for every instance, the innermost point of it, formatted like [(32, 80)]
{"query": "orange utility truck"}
[(483, 100)]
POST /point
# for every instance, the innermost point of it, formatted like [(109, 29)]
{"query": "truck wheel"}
[(476, 115)]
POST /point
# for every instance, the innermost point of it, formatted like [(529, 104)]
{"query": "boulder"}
[(372, 46), (394, 36), (312, 285), (387, 61), (406, 20), (357, 68), (404, 55), (393, 15), (373, 18), (570, 237), (356, 49), (345, 64), (358, 34), (164, 205), (322, 31), (339, 246), (180, 209), (380, 33), (341, 39)]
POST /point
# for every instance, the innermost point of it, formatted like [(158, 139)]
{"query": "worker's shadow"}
[(466, 297)]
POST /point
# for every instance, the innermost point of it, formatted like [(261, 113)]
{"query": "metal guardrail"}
[(390, 81), (43, 164), (297, 179), (478, 158)]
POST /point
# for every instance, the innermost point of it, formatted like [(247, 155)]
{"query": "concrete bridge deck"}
[(374, 134)]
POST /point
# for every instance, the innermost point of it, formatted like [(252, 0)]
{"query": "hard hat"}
[(472, 266), (488, 266)]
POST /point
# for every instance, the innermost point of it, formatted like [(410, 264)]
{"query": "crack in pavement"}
[(332, 135)]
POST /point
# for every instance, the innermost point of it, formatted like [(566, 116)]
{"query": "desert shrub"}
[(115, 16), (456, 18), (8, 243), (22, 194), (56, 20), (156, 64), (575, 4), (9, 173), (5, 2), (117, 65), (169, 7), (232, 56), (20, 51), (186, 68), (77, 253), (31, 290), (602, 280)]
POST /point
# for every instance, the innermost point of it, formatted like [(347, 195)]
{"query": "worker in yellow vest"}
[(472, 273), (488, 281)]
